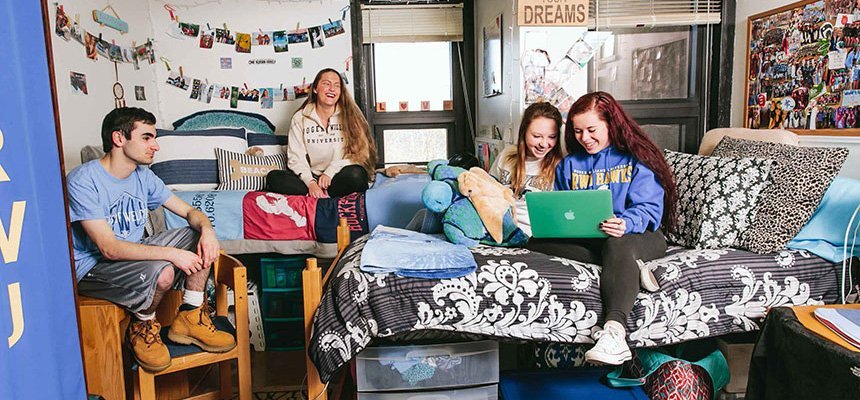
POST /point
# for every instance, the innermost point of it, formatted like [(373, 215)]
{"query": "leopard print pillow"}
[(716, 196), (800, 177)]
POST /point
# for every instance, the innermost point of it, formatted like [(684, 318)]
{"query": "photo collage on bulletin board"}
[(803, 68)]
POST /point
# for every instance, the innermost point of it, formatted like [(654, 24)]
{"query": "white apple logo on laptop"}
[(570, 215)]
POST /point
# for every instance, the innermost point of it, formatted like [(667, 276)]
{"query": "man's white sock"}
[(192, 298), (144, 317)]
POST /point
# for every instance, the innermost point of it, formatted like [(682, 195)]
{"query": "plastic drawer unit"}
[(490, 392), (427, 367)]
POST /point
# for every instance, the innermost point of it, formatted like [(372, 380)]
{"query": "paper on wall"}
[(836, 59)]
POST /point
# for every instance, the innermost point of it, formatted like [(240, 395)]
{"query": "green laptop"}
[(569, 213)]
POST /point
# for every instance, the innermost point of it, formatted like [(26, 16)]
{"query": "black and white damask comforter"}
[(520, 294)]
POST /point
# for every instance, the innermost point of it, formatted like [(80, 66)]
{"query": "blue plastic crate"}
[(580, 383), (284, 335), (282, 305), (282, 272)]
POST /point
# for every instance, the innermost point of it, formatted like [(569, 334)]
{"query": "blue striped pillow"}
[(270, 144), (186, 159)]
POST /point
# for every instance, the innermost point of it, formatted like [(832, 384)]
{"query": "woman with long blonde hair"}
[(330, 151), (530, 165)]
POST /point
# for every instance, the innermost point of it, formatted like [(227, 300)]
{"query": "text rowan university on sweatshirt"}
[(313, 150), (637, 196)]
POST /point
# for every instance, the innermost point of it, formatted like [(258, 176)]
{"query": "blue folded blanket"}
[(415, 255)]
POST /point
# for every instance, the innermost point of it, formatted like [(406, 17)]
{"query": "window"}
[(412, 89), (414, 73), (646, 64), (414, 145)]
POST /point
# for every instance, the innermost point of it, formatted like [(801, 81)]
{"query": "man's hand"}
[(207, 247), (187, 261), (614, 227), (324, 181), (315, 190)]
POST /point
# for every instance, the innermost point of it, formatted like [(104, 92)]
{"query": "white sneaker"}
[(647, 280), (611, 348)]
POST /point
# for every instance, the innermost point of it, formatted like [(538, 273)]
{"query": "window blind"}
[(412, 23), (632, 13)]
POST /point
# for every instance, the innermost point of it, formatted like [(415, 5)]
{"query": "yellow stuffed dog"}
[(490, 198)]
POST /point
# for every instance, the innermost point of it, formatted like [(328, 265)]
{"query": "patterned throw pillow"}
[(238, 171), (800, 177), (716, 197), (186, 159)]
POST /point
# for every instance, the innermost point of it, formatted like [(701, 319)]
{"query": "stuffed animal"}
[(475, 208)]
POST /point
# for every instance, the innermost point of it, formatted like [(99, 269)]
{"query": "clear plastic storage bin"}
[(479, 393), (427, 367)]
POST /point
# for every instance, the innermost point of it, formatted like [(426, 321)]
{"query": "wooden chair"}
[(228, 273), (102, 332)]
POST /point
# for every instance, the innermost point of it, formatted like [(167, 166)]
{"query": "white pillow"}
[(186, 159)]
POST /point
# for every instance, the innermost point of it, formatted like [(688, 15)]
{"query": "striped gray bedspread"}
[(520, 294)]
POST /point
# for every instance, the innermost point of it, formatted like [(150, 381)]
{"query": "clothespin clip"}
[(166, 63), (207, 27), (298, 25), (100, 36), (225, 27), (282, 87), (77, 18), (329, 21), (343, 12), (347, 62), (170, 10), (180, 71), (304, 81), (245, 85)]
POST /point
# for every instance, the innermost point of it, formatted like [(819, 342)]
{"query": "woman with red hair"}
[(608, 150)]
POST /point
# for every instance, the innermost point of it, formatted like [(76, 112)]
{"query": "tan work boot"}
[(149, 351), (194, 327)]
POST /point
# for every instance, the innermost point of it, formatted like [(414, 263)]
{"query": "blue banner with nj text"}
[(40, 355)]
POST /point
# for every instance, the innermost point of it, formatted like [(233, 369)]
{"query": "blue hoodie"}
[(637, 196)]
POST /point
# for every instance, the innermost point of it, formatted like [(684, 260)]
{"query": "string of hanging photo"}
[(279, 39)]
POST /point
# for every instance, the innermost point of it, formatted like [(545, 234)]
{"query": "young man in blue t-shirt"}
[(109, 203)]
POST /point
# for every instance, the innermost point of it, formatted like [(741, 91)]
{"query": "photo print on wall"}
[(279, 40), (174, 79), (189, 29), (316, 37), (261, 38), (243, 42), (207, 38), (333, 28), (297, 36), (90, 45), (139, 93), (266, 99), (78, 83), (223, 36), (234, 97)]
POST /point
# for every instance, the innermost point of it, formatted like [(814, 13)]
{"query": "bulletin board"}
[(803, 68)]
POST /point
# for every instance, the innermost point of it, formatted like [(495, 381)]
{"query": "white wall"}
[(502, 110), (81, 115), (744, 9), (246, 16)]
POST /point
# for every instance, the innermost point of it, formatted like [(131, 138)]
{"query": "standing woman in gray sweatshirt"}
[(330, 151)]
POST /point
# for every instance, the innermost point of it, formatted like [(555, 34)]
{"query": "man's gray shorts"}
[(131, 284)]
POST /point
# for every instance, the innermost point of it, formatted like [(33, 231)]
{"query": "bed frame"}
[(312, 287)]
